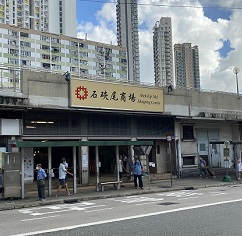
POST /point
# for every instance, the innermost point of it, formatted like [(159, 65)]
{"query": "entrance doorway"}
[(209, 152)]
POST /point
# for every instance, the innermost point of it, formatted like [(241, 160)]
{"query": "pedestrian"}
[(62, 178), (202, 168), (137, 171), (239, 168), (41, 175), (125, 159), (66, 165)]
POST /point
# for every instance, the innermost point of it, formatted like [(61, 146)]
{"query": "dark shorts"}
[(62, 182)]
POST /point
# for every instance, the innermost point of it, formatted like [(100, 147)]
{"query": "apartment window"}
[(22, 34), (56, 67), (188, 160), (188, 133), (123, 60), (46, 65), (83, 45)]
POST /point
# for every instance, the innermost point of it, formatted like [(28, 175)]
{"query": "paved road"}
[(212, 211)]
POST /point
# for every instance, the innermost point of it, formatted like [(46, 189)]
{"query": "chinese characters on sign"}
[(104, 95), (114, 96)]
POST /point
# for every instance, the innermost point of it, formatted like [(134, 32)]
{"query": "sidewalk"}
[(89, 192)]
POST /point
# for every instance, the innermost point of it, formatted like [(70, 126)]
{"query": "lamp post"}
[(236, 70)]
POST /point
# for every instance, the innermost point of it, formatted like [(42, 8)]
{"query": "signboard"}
[(104, 95), (28, 164)]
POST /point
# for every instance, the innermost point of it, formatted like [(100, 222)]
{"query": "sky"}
[(215, 26)]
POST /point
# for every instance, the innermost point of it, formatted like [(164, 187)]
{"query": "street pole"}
[(237, 83), (236, 70), (170, 162), (148, 169), (169, 140)]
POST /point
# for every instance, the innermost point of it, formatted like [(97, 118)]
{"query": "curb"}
[(80, 199)]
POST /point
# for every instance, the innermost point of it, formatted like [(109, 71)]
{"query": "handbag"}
[(41, 182)]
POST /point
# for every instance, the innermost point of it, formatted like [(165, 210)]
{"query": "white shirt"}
[(62, 171)]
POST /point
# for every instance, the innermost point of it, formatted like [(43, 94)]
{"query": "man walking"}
[(41, 175), (62, 177), (137, 171)]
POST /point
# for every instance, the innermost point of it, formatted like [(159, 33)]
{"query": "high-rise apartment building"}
[(55, 16), (187, 66), (34, 49), (128, 35), (163, 52)]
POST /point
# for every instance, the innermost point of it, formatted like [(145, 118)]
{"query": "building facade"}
[(57, 53), (203, 122), (128, 35), (187, 74), (43, 112), (55, 16), (163, 53)]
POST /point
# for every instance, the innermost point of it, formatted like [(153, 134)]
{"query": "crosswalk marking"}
[(181, 194), (48, 210), (138, 199)]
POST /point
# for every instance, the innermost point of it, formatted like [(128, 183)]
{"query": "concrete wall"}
[(226, 131), (51, 90), (162, 158), (45, 90), (191, 102)]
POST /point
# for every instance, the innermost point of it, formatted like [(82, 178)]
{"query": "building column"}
[(97, 168), (178, 149), (117, 165), (22, 172), (131, 158), (84, 164), (49, 172), (74, 170)]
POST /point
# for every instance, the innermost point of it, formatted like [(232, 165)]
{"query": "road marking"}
[(100, 209), (127, 218), (140, 204), (59, 209), (185, 198), (217, 193), (56, 207), (135, 199), (185, 193), (45, 217)]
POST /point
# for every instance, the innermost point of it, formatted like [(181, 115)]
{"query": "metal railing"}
[(10, 79)]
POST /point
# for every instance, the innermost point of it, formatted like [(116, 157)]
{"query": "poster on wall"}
[(28, 164), (84, 161)]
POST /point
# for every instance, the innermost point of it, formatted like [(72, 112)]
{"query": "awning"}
[(81, 143)]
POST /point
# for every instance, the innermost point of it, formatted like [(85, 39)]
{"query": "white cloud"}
[(189, 25)]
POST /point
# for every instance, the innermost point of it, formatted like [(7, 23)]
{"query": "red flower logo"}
[(81, 92)]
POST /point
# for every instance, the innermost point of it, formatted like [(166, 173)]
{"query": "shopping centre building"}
[(90, 122)]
